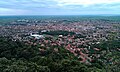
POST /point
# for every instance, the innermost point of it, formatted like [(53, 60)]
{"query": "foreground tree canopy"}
[(15, 56)]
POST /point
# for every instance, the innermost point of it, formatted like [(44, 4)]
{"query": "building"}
[(37, 36)]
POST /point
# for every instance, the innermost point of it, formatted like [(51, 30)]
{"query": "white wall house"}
[(37, 36)]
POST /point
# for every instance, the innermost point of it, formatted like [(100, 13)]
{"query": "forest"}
[(16, 56)]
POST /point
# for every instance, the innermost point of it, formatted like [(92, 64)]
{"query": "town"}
[(80, 37)]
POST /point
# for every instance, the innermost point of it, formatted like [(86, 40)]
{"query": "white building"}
[(37, 36)]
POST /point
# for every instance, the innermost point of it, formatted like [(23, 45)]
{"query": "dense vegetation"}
[(15, 56), (59, 32)]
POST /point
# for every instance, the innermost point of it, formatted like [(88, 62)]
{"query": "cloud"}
[(86, 2), (8, 11), (30, 4), (58, 6)]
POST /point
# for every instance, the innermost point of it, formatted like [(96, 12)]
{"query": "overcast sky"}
[(59, 7)]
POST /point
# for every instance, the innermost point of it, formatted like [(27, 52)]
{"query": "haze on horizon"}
[(59, 7)]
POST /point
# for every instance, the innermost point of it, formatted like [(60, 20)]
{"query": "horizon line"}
[(69, 15)]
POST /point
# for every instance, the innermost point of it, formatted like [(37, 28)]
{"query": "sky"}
[(59, 7)]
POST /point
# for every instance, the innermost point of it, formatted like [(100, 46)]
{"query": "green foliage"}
[(15, 56), (59, 32)]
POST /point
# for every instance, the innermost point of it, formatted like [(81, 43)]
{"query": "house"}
[(37, 36)]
